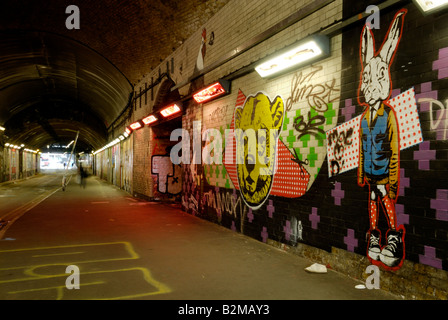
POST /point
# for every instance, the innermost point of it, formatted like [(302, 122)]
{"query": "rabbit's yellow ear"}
[(393, 38)]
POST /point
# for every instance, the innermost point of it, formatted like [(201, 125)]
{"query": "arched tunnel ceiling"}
[(45, 77), (55, 81)]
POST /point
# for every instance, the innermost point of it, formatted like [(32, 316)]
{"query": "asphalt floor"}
[(99, 242)]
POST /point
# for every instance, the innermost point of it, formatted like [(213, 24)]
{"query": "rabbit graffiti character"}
[(379, 144)]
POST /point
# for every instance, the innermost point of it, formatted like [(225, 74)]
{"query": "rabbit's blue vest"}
[(376, 145)]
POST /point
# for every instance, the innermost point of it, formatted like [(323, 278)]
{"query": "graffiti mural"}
[(314, 143), (379, 158), (227, 202), (255, 164), (311, 110), (254, 154), (169, 175), (343, 147), (372, 142), (344, 140), (202, 52), (193, 171)]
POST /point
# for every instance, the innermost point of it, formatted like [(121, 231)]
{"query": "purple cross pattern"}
[(426, 92), (250, 215), (350, 240), (404, 183), (402, 218), (264, 234), (349, 110), (233, 227), (270, 208), (441, 114), (430, 259), (424, 155), (338, 194), (440, 204), (287, 230), (314, 218), (441, 65)]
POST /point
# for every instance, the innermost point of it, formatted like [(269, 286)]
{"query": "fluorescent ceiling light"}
[(150, 119), (307, 51), (136, 125), (430, 6), (169, 111), (71, 142), (213, 91)]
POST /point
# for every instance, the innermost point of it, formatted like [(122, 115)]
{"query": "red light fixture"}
[(150, 119), (213, 91), (171, 110), (136, 125)]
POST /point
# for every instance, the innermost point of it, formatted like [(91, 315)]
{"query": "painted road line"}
[(93, 252), (57, 254), (15, 214), (46, 273), (105, 285), (58, 288)]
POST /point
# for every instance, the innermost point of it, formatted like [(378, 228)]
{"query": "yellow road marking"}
[(31, 274), (15, 214), (57, 254), (57, 287), (128, 247)]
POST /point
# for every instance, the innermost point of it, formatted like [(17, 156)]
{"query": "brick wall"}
[(318, 198), (141, 171), (209, 190)]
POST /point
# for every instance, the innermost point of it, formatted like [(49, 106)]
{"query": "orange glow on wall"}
[(150, 119), (211, 92), (169, 111)]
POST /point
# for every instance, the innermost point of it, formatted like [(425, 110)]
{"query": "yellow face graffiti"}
[(257, 127)]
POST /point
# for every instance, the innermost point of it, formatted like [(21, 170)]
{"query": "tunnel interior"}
[(52, 86), (56, 81)]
